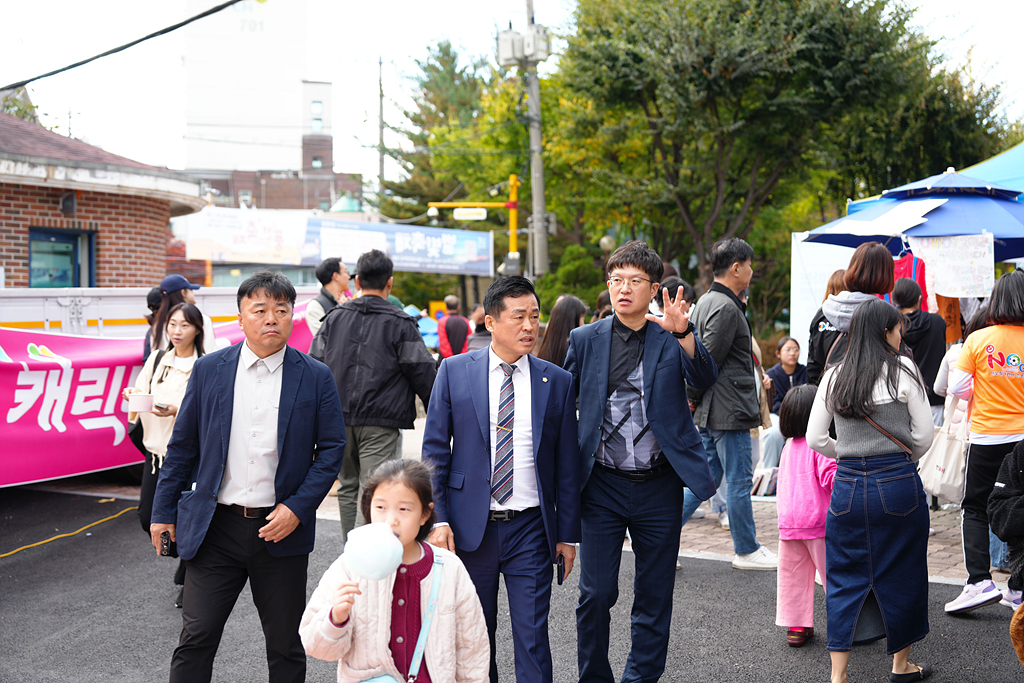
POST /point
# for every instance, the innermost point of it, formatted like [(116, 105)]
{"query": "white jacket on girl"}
[(457, 646)]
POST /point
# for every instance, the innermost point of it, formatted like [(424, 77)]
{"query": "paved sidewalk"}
[(705, 538)]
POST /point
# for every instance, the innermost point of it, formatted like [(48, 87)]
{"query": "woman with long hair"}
[(175, 290), (876, 531), (871, 272), (165, 375), (566, 315), (988, 373)]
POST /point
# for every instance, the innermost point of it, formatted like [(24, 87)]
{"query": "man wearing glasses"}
[(638, 446)]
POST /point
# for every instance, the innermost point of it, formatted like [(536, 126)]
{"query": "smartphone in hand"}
[(165, 543), (561, 569), (161, 406)]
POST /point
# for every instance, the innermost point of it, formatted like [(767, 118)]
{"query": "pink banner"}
[(60, 397)]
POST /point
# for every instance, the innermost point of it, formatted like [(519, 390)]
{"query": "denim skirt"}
[(876, 539)]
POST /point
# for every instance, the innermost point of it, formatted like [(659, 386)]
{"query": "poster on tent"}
[(61, 404), (281, 237), (957, 265)]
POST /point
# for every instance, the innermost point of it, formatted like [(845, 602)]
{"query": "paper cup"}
[(140, 403)]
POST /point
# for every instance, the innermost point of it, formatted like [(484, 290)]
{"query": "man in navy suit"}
[(258, 441), (638, 446), (501, 437)]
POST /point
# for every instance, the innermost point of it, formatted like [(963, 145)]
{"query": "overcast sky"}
[(132, 103)]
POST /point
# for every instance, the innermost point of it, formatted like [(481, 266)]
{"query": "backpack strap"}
[(421, 642), (831, 349)]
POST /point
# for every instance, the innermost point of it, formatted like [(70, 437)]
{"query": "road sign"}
[(470, 214)]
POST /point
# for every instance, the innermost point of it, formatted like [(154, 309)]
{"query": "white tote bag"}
[(943, 467)]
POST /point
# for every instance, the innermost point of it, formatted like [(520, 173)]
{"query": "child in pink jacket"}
[(802, 500)]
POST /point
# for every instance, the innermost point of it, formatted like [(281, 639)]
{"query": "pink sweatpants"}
[(797, 562)]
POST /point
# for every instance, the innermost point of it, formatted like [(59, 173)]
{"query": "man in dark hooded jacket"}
[(925, 334)]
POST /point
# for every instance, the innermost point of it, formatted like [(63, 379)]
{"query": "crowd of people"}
[(543, 452)]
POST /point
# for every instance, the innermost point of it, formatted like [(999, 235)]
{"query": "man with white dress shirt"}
[(501, 438), (258, 440)]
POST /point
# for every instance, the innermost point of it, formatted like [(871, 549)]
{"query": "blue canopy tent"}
[(943, 205), (1005, 169)]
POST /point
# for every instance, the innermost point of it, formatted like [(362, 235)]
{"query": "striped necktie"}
[(501, 480)]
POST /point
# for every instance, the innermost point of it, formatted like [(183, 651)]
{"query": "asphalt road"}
[(98, 607)]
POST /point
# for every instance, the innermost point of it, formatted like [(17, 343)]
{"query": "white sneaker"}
[(975, 595), (1011, 599), (699, 513), (762, 558), (723, 519)]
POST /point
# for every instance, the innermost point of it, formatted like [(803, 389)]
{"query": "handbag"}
[(421, 642), (943, 469), (135, 430)]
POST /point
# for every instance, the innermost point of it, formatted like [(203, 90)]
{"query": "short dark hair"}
[(413, 474), (1006, 305), (871, 270), (639, 255), (451, 302), (906, 293), (503, 288), (724, 253), (373, 269), (327, 268), (671, 284), (275, 284), (795, 410)]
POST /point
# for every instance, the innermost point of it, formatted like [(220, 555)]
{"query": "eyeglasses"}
[(616, 281)]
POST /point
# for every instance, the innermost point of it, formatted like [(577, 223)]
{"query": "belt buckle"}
[(501, 515), (255, 513)]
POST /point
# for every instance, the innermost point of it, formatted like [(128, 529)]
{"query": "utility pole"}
[(380, 144), (540, 226), (526, 51)]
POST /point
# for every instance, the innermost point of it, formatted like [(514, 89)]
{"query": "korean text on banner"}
[(958, 265)]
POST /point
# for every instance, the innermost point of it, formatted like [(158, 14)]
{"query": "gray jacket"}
[(732, 402)]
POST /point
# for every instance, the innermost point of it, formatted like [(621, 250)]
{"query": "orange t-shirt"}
[(993, 355)]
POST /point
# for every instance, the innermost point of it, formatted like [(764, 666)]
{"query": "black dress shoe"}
[(180, 600), (924, 671)]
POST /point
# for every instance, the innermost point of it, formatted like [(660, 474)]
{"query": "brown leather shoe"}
[(798, 636)]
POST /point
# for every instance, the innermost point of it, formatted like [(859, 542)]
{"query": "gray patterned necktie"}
[(501, 480)]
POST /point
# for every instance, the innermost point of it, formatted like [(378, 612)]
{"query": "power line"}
[(163, 31)]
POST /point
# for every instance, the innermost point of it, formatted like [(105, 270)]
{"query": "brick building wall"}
[(131, 233)]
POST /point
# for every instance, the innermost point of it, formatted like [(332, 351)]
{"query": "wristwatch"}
[(683, 335)]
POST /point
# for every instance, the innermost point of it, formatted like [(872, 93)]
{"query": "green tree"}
[(728, 96), (576, 275), (17, 103)]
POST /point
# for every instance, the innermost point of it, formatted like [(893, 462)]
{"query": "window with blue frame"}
[(61, 258)]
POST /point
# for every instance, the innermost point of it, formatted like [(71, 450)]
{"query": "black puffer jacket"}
[(1006, 503), (379, 362), (925, 334)]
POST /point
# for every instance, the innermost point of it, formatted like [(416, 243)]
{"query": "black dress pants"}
[(231, 553), (983, 462), (146, 493)]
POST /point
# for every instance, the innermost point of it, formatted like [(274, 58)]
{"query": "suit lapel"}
[(540, 386), (226, 372), (601, 352), (290, 381), (478, 389), (654, 342)]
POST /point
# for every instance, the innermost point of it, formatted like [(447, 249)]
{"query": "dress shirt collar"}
[(273, 361), (626, 332), (494, 362)]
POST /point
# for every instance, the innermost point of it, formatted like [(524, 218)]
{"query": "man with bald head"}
[(452, 329)]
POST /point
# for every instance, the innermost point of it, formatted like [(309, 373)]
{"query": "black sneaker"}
[(180, 600)]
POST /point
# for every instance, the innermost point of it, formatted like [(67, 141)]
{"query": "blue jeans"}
[(728, 454), (997, 550)]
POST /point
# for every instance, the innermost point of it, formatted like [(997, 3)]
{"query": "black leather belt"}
[(637, 475), (248, 513), (507, 515)]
